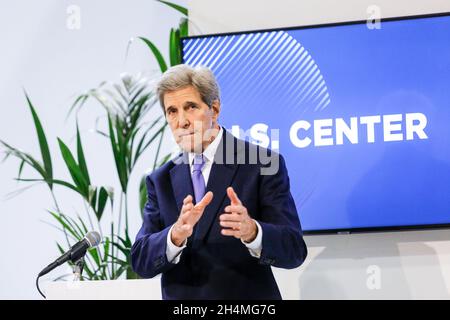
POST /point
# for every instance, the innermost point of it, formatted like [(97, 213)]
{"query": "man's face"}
[(193, 123)]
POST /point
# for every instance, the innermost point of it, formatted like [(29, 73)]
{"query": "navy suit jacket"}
[(213, 266)]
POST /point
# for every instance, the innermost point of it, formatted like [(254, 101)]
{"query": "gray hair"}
[(182, 75)]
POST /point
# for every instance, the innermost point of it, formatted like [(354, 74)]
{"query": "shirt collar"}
[(210, 150)]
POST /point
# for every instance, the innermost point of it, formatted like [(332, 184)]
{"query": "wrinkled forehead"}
[(181, 96)]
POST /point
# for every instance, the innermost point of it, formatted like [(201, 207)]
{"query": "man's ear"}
[(215, 107)]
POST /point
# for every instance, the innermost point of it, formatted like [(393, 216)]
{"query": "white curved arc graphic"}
[(269, 56)]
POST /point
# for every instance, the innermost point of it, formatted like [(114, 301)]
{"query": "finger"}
[(231, 224), (237, 209), (231, 217), (233, 196), (196, 215), (188, 199), (185, 216), (187, 207), (231, 233), (193, 216), (207, 198)]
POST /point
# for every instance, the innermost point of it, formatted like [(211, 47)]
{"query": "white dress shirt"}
[(173, 252)]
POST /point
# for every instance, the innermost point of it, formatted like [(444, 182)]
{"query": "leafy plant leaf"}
[(174, 47), (183, 27), (94, 254), (82, 224), (20, 169), (65, 225), (81, 158), (43, 145), (156, 53), (179, 8), (120, 165), (74, 170), (11, 151), (102, 198)]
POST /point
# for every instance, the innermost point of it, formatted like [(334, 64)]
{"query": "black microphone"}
[(77, 251)]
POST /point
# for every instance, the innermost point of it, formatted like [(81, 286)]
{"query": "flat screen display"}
[(360, 112)]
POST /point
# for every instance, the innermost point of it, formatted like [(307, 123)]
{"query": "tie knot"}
[(199, 162)]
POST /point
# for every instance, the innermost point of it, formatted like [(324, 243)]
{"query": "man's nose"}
[(183, 121)]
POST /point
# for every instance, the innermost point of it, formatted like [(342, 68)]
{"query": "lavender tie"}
[(197, 178)]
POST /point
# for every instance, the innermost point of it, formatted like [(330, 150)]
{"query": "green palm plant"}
[(174, 39), (126, 103), (95, 197), (174, 59)]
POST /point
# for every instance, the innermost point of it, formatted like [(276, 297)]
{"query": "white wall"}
[(215, 16), (53, 63), (411, 264)]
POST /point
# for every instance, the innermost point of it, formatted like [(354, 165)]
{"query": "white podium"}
[(148, 289)]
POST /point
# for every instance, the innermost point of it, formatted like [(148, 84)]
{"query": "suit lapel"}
[(180, 177), (221, 176)]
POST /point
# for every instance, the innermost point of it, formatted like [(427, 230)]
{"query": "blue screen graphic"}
[(361, 115)]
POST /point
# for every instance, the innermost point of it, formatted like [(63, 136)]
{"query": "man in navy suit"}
[(220, 214)]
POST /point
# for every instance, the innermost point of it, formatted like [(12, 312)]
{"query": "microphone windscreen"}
[(94, 238)]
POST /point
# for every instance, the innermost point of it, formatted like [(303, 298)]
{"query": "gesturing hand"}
[(236, 220), (188, 218)]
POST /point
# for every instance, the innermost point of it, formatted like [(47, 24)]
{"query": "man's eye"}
[(193, 106)]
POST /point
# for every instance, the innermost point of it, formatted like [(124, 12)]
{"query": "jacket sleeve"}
[(148, 253), (282, 242)]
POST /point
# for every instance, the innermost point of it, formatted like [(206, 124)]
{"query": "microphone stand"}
[(76, 255), (77, 274), (78, 269)]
